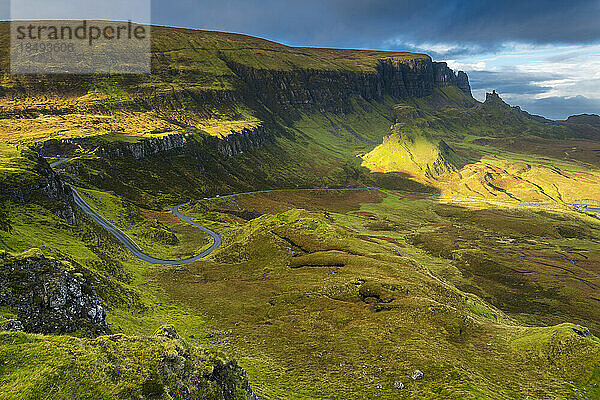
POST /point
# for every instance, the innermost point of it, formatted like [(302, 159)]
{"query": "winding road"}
[(61, 160), (217, 240), (134, 248), (137, 251), (128, 242)]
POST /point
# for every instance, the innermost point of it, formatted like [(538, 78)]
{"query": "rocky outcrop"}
[(493, 99), (11, 324), (42, 179), (145, 147), (160, 366), (462, 82), (238, 143), (493, 102), (57, 147), (331, 90), (227, 379), (230, 145), (46, 297), (419, 155), (444, 77)]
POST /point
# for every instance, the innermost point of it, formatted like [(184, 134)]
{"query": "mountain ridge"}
[(216, 67)]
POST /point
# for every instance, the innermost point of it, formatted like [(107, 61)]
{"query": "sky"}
[(541, 55)]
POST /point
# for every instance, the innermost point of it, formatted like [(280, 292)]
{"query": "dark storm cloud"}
[(372, 23)]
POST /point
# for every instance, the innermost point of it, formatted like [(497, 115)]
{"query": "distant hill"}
[(590, 119), (587, 125)]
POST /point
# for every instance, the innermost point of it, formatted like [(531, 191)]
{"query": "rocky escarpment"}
[(145, 147), (46, 297), (418, 77), (331, 90), (230, 145), (462, 82), (240, 142)]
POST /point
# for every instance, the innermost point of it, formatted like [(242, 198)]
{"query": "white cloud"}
[(440, 48), (562, 70), (462, 66)]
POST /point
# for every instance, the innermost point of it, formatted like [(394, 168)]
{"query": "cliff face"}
[(243, 141), (331, 90), (462, 82), (145, 147), (231, 145), (444, 77), (286, 92)]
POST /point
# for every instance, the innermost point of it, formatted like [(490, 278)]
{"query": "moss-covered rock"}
[(380, 292), (47, 297)]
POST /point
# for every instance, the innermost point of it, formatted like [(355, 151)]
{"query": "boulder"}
[(417, 375), (46, 296), (398, 385)]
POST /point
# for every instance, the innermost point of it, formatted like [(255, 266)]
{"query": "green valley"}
[(385, 235)]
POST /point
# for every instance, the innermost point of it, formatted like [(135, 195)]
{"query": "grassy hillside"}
[(414, 153), (198, 89), (476, 269), (203, 47), (188, 66), (116, 366), (489, 150), (346, 293), (324, 293)]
